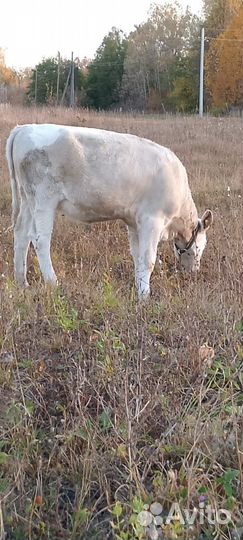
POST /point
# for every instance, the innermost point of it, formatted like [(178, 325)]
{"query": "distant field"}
[(107, 406)]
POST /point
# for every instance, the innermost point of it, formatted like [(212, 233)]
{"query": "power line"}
[(41, 76), (223, 39)]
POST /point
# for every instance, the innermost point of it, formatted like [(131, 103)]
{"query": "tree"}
[(218, 15), (136, 78), (184, 96), (106, 70), (47, 79), (224, 65), (8, 80), (156, 51), (7, 75), (2, 57), (185, 73)]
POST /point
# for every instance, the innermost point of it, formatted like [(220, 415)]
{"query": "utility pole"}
[(201, 74), (58, 77), (36, 81), (72, 97), (65, 88)]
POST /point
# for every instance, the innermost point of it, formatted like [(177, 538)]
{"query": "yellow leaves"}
[(235, 6), (41, 366), (224, 64), (7, 75), (122, 451), (206, 354)]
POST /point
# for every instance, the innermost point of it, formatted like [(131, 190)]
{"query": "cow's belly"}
[(79, 213)]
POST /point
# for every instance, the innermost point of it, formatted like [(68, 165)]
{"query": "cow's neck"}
[(186, 222)]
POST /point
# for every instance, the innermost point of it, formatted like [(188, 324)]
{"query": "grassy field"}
[(106, 406)]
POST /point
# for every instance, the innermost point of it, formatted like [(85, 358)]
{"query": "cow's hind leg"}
[(149, 236), (22, 237), (41, 240)]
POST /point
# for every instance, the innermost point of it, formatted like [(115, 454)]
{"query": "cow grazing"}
[(96, 175)]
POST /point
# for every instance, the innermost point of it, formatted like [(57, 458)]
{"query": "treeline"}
[(155, 67)]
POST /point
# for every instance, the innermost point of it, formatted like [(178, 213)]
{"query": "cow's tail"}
[(14, 183)]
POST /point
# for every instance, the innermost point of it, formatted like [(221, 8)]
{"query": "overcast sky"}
[(32, 29)]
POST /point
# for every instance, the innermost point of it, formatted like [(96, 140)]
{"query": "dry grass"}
[(104, 401)]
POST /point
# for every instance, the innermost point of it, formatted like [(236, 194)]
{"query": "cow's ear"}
[(206, 220)]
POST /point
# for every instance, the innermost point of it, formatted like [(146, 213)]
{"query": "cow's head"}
[(189, 254)]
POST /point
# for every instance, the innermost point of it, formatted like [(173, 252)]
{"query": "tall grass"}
[(107, 406)]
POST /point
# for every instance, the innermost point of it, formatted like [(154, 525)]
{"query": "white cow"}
[(96, 175)]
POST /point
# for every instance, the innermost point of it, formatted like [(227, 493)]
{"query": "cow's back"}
[(113, 175)]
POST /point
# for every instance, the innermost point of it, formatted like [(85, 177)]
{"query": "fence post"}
[(36, 84), (58, 77), (72, 97)]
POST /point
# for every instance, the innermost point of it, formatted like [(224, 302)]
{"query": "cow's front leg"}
[(149, 236), (134, 247)]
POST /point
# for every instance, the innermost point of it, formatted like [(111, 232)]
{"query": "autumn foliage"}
[(224, 65), (7, 75), (154, 68)]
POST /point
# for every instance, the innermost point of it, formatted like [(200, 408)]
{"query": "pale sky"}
[(32, 29)]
